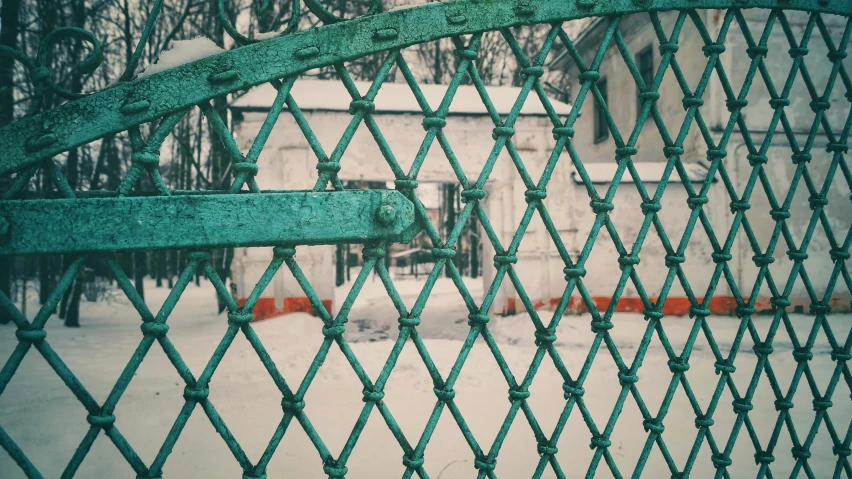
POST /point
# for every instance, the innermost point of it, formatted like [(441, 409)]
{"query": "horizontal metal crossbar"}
[(30, 140), (122, 224)]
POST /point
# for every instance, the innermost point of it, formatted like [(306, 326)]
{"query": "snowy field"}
[(43, 417)]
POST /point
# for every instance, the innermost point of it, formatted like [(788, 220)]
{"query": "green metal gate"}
[(77, 223)]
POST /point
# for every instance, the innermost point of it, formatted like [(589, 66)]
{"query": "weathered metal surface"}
[(32, 139), (121, 224)]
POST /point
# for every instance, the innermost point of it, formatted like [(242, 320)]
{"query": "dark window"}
[(645, 64), (601, 130)]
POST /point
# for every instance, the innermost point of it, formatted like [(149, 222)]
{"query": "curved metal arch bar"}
[(31, 140)]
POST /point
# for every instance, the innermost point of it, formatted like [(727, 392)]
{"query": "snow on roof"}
[(331, 95), (182, 52)]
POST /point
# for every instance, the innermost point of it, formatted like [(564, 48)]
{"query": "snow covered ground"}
[(43, 417)]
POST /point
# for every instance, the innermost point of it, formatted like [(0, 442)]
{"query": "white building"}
[(596, 147), (287, 162)]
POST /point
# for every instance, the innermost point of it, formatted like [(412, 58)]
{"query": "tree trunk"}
[(72, 319), (140, 270), (339, 267)]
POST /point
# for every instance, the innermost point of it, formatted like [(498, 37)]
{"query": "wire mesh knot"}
[(801, 157), (713, 49), (745, 311), (145, 159), (484, 463), (333, 470), (628, 261), (797, 255), (649, 96), (434, 122), (30, 335), (472, 194), (698, 312), (563, 132), (518, 394), (39, 73), (821, 404), (409, 322), (797, 52), (736, 104), (817, 201), (245, 167), (600, 206), (373, 396), (333, 332), (739, 206), (694, 202), (704, 421), (653, 425), (502, 132), (650, 207), (328, 166), (724, 367), (783, 404), (589, 76), (837, 147), (779, 215), (101, 420), (721, 257), (835, 56), (757, 51), (692, 101), (154, 329), (721, 461), (801, 453), (443, 253), (532, 71), (763, 457), (373, 253), (627, 378), (405, 184), (716, 154), (653, 314), (504, 260), (780, 302), (673, 260), (841, 451), (625, 152), (253, 475), (819, 105), (444, 395), (678, 365), (741, 406), (599, 442), (572, 389), (290, 405), (670, 151), (572, 272), (466, 54), (545, 448), (600, 326), (762, 349), (195, 393), (477, 319), (149, 475), (239, 318), (412, 462), (544, 338), (199, 256), (668, 47), (757, 159), (283, 252), (535, 195), (840, 355), (762, 260), (779, 103), (365, 106), (802, 355)]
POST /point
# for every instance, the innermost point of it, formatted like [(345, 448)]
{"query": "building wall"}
[(627, 216)]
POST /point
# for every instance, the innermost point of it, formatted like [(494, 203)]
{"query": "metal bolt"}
[(386, 214)]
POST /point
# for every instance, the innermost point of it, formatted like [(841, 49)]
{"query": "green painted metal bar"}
[(122, 224), (30, 140)]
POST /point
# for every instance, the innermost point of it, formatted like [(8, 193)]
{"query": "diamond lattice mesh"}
[(779, 231)]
